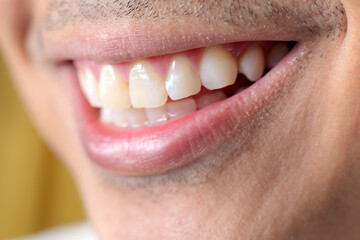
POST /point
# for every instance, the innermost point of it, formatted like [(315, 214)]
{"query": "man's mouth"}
[(153, 115), (156, 90), (160, 114)]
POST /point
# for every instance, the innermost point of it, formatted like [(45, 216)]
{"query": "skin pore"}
[(290, 172)]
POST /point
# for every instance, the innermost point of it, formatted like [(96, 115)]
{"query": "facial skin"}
[(290, 172)]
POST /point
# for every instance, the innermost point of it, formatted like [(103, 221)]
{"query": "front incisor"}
[(147, 88)]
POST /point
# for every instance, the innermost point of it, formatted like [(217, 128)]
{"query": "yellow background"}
[(36, 192)]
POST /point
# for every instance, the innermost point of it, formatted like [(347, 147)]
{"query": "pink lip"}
[(166, 147)]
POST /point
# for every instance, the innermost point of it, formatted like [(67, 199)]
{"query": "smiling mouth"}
[(155, 90), (152, 96), (158, 114)]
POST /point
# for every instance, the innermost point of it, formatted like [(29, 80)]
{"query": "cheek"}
[(48, 101), (44, 94)]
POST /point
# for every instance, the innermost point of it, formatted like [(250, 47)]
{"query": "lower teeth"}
[(139, 118)]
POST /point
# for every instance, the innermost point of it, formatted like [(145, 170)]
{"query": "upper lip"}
[(86, 33), (111, 43)]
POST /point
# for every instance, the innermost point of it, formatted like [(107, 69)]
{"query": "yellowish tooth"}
[(252, 63), (114, 91), (277, 52), (218, 68), (147, 88), (90, 87), (182, 81)]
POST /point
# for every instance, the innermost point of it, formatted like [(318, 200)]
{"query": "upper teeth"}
[(147, 88), (218, 68), (114, 91), (144, 87), (182, 80), (252, 63), (90, 87)]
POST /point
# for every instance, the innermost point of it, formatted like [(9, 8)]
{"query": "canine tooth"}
[(156, 115), (180, 108), (252, 63), (136, 117), (90, 87), (218, 68), (114, 91), (147, 88), (210, 98), (116, 117), (277, 52), (182, 81)]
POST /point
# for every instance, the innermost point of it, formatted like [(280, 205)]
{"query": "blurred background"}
[(36, 192)]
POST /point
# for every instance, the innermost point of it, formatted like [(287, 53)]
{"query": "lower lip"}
[(165, 147)]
